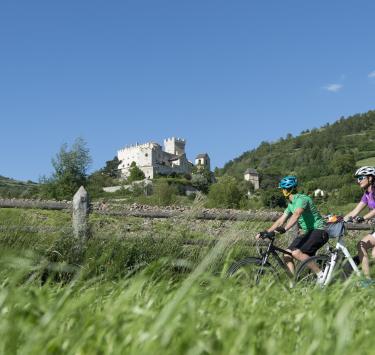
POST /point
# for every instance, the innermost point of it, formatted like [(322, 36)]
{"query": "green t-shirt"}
[(310, 218)]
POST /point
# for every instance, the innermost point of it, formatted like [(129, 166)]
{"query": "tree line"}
[(324, 158)]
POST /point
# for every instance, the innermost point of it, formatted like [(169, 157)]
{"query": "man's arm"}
[(280, 221), (294, 218)]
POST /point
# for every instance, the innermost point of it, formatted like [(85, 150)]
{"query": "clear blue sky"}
[(225, 75)]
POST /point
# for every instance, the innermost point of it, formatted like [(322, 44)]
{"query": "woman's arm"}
[(369, 215), (356, 210)]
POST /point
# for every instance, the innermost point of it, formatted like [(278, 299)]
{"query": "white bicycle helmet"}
[(365, 171)]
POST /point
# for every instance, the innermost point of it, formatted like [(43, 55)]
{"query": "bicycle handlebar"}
[(267, 235), (357, 219)]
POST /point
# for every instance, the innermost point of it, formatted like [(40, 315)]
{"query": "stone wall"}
[(143, 155)]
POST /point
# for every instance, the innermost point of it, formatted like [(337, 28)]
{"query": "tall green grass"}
[(152, 312), (145, 292)]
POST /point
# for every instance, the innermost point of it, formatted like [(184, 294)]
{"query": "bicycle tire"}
[(250, 272), (347, 269), (304, 275)]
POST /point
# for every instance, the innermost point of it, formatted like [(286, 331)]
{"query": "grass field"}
[(153, 295), (366, 162)]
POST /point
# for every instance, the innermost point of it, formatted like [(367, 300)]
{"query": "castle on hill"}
[(153, 160)]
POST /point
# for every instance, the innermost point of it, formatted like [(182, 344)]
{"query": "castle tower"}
[(174, 146), (202, 161), (252, 176)]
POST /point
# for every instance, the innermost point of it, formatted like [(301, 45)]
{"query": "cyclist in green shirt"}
[(302, 210)]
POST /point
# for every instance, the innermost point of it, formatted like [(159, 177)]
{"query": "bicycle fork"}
[(263, 264)]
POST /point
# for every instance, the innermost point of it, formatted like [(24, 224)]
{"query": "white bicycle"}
[(338, 264)]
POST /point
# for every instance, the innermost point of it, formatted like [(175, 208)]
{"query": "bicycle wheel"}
[(347, 269), (304, 275), (251, 272)]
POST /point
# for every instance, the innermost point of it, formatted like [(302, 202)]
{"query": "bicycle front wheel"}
[(305, 276), (251, 272)]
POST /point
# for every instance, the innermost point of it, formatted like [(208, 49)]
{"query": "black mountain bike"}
[(268, 267)]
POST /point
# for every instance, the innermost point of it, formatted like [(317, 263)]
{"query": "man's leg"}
[(289, 261), (299, 255), (311, 243)]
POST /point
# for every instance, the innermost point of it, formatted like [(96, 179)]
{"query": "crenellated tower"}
[(174, 146)]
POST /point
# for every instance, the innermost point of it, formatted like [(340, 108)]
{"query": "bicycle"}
[(338, 264), (251, 270)]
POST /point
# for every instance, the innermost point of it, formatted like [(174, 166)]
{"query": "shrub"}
[(164, 193), (135, 173), (224, 194), (273, 198)]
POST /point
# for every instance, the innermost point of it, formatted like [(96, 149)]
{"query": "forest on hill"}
[(324, 157)]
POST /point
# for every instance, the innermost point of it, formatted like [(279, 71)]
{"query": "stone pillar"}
[(80, 214)]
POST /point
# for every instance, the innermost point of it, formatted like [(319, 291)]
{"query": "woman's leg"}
[(368, 242)]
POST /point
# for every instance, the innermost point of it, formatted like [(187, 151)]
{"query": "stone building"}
[(153, 160), (318, 193), (252, 176), (203, 161)]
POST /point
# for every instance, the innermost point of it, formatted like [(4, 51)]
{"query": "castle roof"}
[(251, 171), (203, 155)]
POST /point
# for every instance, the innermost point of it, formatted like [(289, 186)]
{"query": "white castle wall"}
[(152, 160), (143, 155)]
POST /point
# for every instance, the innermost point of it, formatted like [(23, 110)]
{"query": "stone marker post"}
[(80, 214)]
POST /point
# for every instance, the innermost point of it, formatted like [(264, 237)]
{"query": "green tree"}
[(343, 163), (111, 168), (135, 174), (349, 193), (225, 193), (70, 173), (246, 187), (273, 198), (202, 179)]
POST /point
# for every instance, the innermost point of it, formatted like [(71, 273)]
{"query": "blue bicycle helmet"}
[(288, 182)]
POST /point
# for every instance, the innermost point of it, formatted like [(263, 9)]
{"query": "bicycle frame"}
[(272, 250), (328, 271)]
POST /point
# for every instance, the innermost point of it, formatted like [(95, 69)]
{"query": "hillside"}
[(324, 157), (14, 188)]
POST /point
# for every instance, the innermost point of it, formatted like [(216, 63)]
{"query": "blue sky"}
[(224, 75)]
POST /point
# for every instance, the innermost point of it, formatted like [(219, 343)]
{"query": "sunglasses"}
[(360, 178)]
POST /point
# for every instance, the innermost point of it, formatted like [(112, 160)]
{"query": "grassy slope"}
[(11, 187), (364, 162), (159, 310)]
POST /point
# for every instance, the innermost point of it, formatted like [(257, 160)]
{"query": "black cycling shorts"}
[(310, 242)]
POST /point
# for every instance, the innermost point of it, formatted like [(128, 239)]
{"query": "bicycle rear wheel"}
[(251, 272), (305, 276), (347, 269)]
